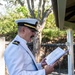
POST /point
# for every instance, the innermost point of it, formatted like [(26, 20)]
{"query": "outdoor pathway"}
[(62, 72)]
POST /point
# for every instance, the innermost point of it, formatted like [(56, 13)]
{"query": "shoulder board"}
[(16, 42)]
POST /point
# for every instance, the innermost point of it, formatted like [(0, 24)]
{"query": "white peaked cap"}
[(29, 22)]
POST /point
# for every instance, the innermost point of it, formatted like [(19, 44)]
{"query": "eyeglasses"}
[(32, 30)]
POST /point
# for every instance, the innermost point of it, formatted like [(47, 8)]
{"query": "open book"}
[(55, 55)]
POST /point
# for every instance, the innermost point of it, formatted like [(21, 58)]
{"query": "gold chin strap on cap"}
[(30, 26)]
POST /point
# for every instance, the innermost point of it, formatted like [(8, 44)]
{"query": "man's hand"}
[(43, 63), (49, 69)]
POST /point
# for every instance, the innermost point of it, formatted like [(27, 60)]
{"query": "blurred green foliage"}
[(50, 34), (8, 28), (51, 31), (23, 10)]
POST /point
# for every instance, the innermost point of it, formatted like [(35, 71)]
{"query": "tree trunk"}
[(37, 45)]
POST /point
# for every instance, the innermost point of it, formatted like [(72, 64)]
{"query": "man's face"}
[(29, 34)]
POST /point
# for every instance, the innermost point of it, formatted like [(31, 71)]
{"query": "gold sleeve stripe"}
[(30, 26)]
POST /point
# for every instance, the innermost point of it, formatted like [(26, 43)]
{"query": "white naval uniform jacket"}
[(19, 59)]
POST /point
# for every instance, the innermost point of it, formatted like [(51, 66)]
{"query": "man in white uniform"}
[(18, 57)]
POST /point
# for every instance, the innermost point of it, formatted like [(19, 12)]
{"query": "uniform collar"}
[(21, 40)]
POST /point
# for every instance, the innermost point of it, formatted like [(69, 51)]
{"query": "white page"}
[(54, 55)]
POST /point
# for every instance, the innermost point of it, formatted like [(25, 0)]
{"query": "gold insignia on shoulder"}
[(16, 42)]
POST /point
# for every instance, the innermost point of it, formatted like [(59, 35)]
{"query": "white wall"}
[(2, 63)]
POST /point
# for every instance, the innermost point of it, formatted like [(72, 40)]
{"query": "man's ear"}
[(23, 29)]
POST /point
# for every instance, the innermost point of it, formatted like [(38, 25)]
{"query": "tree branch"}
[(45, 17), (32, 4), (28, 5), (30, 8), (21, 2), (39, 9), (43, 7), (47, 12), (1, 4)]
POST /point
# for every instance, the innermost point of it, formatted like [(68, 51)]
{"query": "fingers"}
[(43, 63), (44, 60), (56, 63), (49, 69)]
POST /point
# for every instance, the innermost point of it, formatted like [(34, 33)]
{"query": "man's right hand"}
[(49, 69)]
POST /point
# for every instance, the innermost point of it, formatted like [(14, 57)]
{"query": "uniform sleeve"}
[(39, 66)]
